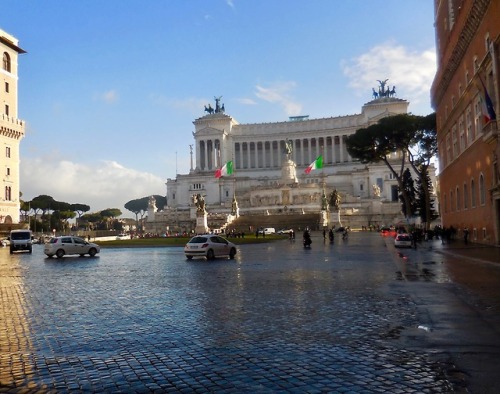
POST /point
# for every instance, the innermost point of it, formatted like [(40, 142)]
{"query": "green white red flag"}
[(227, 169), (315, 165)]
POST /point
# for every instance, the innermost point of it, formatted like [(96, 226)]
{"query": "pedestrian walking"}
[(466, 235)]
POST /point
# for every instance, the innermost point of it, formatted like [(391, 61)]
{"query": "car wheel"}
[(30, 250), (210, 254), (92, 252), (50, 256), (189, 257), (11, 251), (232, 253), (60, 253)]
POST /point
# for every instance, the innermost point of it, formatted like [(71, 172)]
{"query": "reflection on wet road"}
[(277, 318)]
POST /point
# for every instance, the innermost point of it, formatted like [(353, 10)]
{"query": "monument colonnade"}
[(270, 153)]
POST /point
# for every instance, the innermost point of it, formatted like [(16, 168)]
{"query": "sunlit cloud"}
[(279, 93), (230, 3), (105, 184), (412, 72)]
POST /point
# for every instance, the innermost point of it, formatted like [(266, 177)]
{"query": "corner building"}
[(12, 129), (466, 83)]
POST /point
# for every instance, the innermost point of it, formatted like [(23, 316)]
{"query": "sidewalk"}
[(472, 251)]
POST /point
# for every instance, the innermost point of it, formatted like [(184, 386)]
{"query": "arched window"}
[(451, 200), (466, 197), (472, 193), (8, 193), (444, 203), (482, 190), (457, 192), (6, 61)]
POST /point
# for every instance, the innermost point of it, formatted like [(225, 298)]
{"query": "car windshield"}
[(198, 240), (19, 236)]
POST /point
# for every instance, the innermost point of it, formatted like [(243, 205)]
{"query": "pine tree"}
[(427, 212), (408, 185)]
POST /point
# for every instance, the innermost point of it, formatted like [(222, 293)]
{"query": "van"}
[(21, 240), (267, 230)]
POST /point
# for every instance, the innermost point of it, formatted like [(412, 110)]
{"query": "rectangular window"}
[(461, 131), (7, 151), (6, 110), (448, 149), (468, 125), (6, 87), (394, 193), (455, 142), (8, 171)]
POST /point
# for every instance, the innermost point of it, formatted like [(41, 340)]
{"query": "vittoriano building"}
[(268, 168)]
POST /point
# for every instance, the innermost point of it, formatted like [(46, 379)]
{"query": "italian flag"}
[(316, 164), (227, 169)]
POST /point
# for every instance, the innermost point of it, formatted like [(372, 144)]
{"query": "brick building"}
[(465, 95)]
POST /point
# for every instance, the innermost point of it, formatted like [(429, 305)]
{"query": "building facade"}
[(269, 160), (12, 129), (465, 95)]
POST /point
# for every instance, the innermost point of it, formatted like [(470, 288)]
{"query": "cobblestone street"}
[(347, 317)]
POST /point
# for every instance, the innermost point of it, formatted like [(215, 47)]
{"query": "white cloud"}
[(246, 101), (411, 71), (105, 184), (108, 97), (279, 93), (191, 104)]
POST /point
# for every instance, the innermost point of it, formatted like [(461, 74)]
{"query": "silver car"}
[(209, 246), (61, 246)]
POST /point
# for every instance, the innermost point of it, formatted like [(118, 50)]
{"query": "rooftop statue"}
[(218, 107), (382, 91)]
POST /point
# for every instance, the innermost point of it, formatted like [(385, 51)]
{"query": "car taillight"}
[(204, 245)]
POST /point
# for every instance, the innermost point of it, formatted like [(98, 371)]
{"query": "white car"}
[(209, 246), (403, 240), (61, 246)]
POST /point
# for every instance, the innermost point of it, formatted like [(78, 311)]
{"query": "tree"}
[(80, 209), (108, 214), (138, 207), (380, 142), (25, 208), (409, 189), (420, 156), (425, 208)]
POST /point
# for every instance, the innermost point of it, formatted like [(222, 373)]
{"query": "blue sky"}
[(109, 88)]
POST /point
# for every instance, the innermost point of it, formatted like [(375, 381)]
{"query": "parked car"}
[(403, 241), (61, 246), (285, 231), (209, 246)]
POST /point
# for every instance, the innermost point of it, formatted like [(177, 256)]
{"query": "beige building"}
[(12, 129)]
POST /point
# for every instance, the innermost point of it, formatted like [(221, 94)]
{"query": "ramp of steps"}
[(297, 222)]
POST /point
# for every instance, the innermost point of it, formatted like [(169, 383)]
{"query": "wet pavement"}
[(357, 316)]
